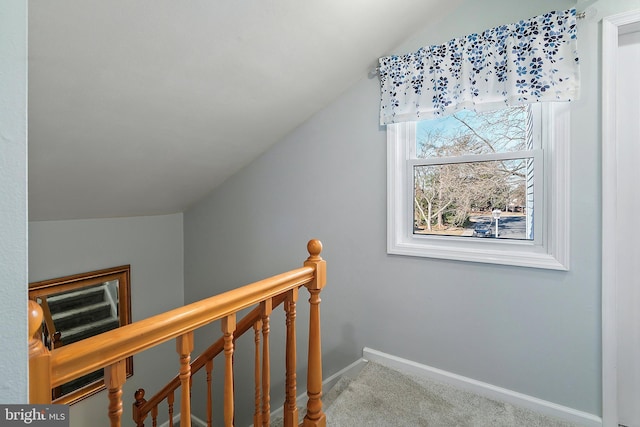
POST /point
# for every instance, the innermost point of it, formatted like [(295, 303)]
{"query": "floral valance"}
[(531, 61)]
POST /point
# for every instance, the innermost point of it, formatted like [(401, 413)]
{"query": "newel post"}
[(138, 416), (39, 359), (315, 416)]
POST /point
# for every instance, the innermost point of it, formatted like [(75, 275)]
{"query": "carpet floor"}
[(382, 397)]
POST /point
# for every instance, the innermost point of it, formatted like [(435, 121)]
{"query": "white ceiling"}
[(143, 107)]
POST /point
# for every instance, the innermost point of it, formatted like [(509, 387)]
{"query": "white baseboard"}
[(351, 370), (195, 421), (484, 389), (419, 370)]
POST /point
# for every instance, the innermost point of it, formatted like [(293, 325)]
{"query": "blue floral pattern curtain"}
[(531, 61)]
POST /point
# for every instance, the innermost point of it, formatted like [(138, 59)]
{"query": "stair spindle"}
[(257, 413), (228, 328), (209, 369), (315, 417), (170, 400), (184, 347), (290, 405), (154, 416), (266, 307), (114, 378)]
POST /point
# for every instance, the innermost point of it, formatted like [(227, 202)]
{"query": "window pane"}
[(468, 132), (458, 199)]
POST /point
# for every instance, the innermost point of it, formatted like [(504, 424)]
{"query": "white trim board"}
[(612, 27), (483, 389), (195, 421), (350, 371)]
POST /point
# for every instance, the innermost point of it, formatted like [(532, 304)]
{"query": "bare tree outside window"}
[(467, 176)]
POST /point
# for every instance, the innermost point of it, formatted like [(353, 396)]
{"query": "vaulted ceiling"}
[(143, 107)]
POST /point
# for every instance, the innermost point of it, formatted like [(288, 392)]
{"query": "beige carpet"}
[(381, 397)]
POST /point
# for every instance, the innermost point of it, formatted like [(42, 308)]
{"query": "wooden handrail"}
[(212, 351), (51, 369), (80, 358)]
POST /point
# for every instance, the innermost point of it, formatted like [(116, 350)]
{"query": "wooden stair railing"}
[(143, 407), (50, 369)]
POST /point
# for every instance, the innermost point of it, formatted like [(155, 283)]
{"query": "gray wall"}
[(533, 331), (153, 246), (13, 201)]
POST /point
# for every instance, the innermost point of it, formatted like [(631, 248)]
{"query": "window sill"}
[(522, 254)]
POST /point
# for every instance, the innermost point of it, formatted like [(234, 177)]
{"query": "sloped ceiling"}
[(143, 107)]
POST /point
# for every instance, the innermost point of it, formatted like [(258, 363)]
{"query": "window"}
[(487, 187)]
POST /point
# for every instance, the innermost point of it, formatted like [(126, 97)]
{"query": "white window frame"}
[(550, 247)]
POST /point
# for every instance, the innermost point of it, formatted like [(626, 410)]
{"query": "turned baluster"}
[(154, 416), (257, 414), (315, 417), (209, 369), (290, 406), (228, 328), (170, 400), (138, 417), (266, 307), (57, 340), (184, 347), (39, 359), (114, 378)]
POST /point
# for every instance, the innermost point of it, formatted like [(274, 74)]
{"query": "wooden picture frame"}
[(77, 307)]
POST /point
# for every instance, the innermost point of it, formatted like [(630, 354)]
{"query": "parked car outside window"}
[(482, 230)]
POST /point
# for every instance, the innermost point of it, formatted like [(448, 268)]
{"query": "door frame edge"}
[(611, 26)]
